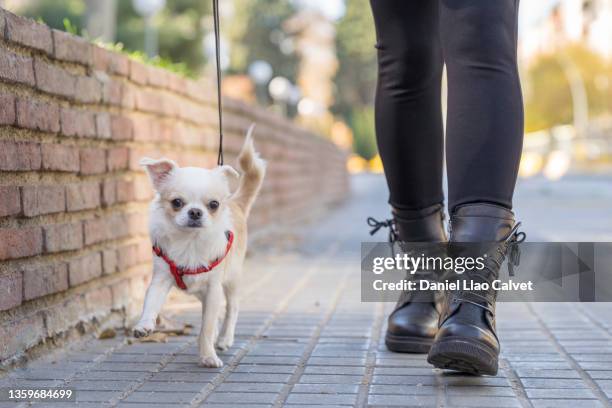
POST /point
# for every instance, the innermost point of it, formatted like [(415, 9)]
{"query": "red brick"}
[(71, 48), (28, 32), (93, 161), (38, 115), (125, 191), (103, 125), (10, 202), (117, 158), (53, 78), (101, 58), (39, 281), (109, 261), (121, 128), (63, 237), (10, 290), (39, 200), (82, 196), (138, 72), (59, 157), (119, 64), (84, 269), (7, 112), (64, 316), (20, 242), (87, 90), (111, 91), (78, 122), (128, 95), (121, 294), (109, 192), (96, 230), (99, 301), (127, 256), (20, 335), (16, 68), (19, 156)]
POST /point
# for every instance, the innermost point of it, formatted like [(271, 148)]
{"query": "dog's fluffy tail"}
[(253, 170)]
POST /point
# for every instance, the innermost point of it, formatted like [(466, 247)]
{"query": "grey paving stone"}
[(250, 387), (106, 385), (337, 361), (551, 383), (385, 389), (402, 400), (481, 391), (159, 397), (326, 388), (241, 398), (265, 368), (341, 370), (407, 380), (95, 396), (560, 393), (330, 379), (557, 403), (537, 373), (197, 377), (476, 401), (322, 399), (168, 386), (245, 377), (270, 360)]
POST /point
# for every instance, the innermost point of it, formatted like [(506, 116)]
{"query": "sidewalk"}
[(305, 340)]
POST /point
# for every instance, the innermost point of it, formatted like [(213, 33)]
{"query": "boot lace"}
[(377, 225)]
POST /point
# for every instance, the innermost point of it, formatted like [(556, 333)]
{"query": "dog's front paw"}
[(142, 329), (224, 344), (211, 362)]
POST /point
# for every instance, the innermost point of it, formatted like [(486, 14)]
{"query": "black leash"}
[(218, 58)]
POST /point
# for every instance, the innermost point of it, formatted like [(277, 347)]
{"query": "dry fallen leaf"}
[(156, 337), (107, 334)]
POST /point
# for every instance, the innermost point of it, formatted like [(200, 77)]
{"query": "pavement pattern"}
[(304, 339)]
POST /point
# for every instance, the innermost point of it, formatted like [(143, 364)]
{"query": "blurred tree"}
[(361, 121), (548, 100), (356, 77), (180, 25), (256, 33)]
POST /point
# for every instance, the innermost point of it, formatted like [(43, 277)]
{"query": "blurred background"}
[(315, 62)]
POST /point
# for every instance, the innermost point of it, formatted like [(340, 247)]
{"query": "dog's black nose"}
[(195, 214)]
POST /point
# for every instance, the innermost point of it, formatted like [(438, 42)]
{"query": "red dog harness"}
[(178, 271)]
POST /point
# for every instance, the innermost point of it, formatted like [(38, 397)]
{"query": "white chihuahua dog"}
[(198, 230)]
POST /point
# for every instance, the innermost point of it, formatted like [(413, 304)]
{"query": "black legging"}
[(476, 39)]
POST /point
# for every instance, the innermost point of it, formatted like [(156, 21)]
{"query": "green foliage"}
[(356, 77), (361, 122), (179, 27), (179, 68), (548, 100), (257, 33), (69, 27)]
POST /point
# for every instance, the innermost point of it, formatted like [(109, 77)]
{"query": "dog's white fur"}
[(192, 246)]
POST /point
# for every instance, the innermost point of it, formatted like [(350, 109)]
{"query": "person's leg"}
[(484, 128), (408, 110), (484, 141), (410, 142)]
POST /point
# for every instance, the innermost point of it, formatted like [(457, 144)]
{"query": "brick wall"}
[(74, 121)]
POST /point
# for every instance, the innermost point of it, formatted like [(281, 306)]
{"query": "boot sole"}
[(465, 355), (408, 344)]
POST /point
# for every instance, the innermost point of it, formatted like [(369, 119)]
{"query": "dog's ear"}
[(158, 170), (229, 172)]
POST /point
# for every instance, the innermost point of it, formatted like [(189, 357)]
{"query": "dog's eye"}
[(213, 205), (177, 203)]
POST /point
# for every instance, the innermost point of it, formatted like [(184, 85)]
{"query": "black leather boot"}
[(466, 339), (413, 324)]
